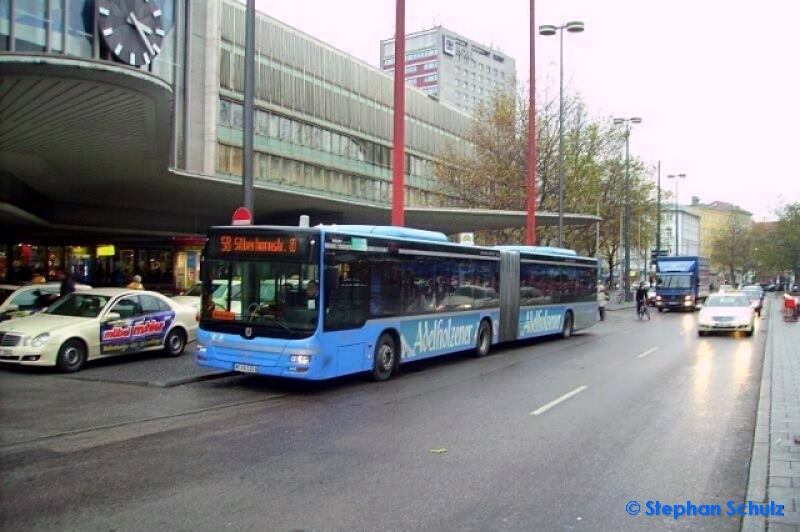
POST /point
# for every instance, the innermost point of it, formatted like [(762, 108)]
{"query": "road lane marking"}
[(561, 399), (648, 352)]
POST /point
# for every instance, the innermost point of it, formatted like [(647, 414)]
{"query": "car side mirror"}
[(112, 316), (12, 308)]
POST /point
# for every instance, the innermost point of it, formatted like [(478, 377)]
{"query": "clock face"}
[(132, 29)]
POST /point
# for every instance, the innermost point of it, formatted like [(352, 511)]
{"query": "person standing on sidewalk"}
[(602, 299), (67, 284)]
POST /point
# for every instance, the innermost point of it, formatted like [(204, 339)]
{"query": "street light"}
[(627, 271), (548, 30), (677, 178)]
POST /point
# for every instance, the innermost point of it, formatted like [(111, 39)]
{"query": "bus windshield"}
[(275, 298), (676, 281)]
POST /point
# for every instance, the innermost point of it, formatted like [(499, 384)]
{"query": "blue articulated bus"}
[(321, 302)]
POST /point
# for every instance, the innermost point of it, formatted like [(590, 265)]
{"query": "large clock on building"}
[(133, 30)]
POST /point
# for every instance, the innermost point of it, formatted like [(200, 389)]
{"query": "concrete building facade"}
[(452, 68), (715, 217), (120, 147), (680, 231)]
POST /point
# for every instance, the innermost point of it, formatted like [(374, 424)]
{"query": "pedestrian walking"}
[(602, 299)]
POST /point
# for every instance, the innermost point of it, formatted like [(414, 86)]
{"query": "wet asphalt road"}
[(652, 412)]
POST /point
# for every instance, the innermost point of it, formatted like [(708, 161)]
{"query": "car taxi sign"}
[(242, 216)]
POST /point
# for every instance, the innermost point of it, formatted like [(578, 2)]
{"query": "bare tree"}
[(491, 171), (731, 248)]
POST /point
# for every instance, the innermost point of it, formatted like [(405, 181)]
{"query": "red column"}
[(530, 227), (399, 152)]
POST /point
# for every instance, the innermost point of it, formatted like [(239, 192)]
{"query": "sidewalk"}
[(775, 461), (613, 306)]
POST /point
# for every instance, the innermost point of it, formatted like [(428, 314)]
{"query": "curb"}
[(758, 474), (160, 384), (189, 380)]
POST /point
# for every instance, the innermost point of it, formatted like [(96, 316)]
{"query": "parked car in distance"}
[(727, 312), (756, 296), (17, 301), (194, 295)]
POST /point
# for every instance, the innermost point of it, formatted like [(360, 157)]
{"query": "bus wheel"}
[(484, 339), (566, 329), (385, 358)]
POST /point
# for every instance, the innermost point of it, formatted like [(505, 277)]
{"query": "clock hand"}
[(133, 21), (138, 26), (145, 28)]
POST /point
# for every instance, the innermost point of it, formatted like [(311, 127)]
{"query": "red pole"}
[(530, 227), (399, 153)]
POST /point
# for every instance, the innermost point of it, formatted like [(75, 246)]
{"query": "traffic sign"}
[(242, 216)]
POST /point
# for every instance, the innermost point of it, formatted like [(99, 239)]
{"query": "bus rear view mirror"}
[(331, 277)]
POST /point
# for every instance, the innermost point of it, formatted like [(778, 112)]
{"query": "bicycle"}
[(643, 312)]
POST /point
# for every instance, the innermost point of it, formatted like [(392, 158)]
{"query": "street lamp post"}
[(677, 178), (549, 30), (627, 122), (658, 214)]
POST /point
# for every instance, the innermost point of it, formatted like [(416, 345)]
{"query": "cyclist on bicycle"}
[(641, 297)]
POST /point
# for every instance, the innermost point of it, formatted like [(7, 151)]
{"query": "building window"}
[(224, 113)]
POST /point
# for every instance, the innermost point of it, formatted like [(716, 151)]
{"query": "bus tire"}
[(483, 341), (385, 359), (567, 328)]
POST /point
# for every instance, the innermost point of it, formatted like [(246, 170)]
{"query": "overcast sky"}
[(716, 82)]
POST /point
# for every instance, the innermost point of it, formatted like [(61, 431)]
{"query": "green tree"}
[(491, 171), (732, 246), (786, 239)]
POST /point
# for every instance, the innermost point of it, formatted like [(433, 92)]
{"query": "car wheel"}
[(71, 356), (175, 343), (751, 330), (701, 333)]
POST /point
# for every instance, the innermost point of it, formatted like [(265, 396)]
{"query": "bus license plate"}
[(245, 368)]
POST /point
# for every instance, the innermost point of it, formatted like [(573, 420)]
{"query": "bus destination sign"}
[(265, 244)]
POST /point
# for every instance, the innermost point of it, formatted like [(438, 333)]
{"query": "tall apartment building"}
[(456, 70)]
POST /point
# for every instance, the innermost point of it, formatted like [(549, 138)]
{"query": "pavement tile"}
[(778, 527), (774, 466), (782, 365), (783, 496), (789, 518)]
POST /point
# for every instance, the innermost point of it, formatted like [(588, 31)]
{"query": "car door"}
[(118, 337), (157, 318)]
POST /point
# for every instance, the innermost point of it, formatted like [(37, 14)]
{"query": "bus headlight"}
[(300, 359)]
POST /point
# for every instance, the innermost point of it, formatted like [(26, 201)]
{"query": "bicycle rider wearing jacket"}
[(641, 297)]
